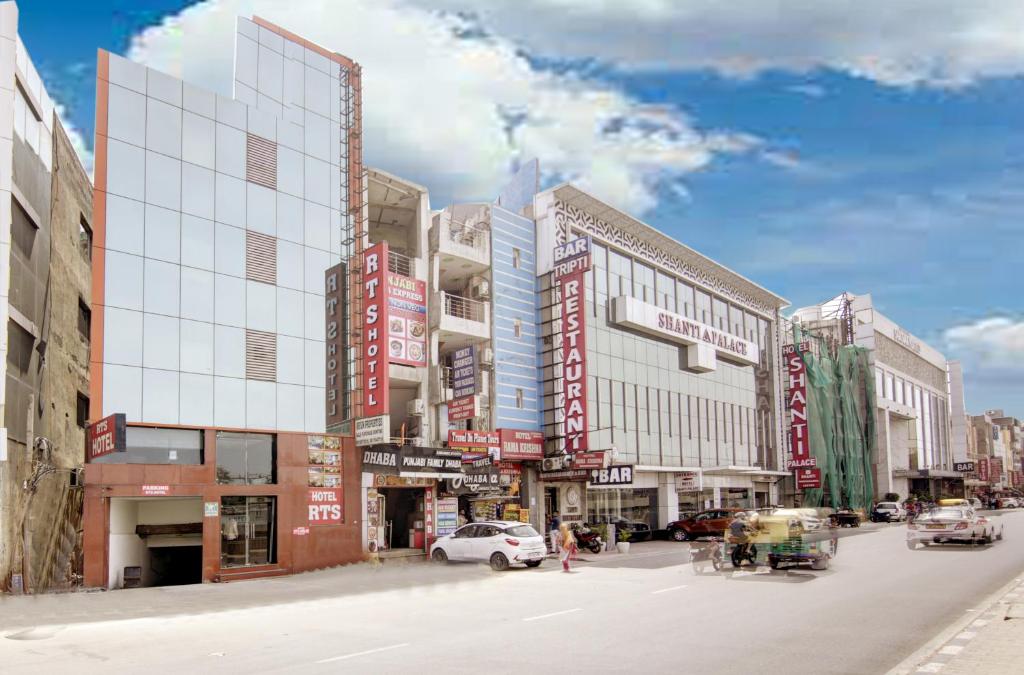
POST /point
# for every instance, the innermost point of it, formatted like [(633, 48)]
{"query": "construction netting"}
[(840, 421)]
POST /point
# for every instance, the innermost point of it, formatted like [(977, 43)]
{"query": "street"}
[(617, 613)]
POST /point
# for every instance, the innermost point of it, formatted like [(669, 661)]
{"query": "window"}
[(248, 531), (643, 283), (84, 319), (246, 459), (517, 328), (515, 258), (519, 398), (149, 445), (82, 410), (84, 237)]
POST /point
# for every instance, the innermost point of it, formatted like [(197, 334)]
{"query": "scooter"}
[(741, 552), (588, 539)]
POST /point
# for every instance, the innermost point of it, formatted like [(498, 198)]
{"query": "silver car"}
[(952, 524)]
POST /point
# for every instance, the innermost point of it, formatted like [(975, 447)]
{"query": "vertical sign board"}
[(106, 436), (375, 332), (796, 398), (983, 469), (463, 404), (572, 260), (334, 293), (406, 320)]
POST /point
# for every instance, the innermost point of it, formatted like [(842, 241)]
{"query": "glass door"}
[(248, 531)]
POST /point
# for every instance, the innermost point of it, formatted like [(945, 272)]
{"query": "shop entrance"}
[(155, 541), (401, 512)]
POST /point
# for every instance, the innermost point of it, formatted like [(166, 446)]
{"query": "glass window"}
[(515, 258), (82, 410), (736, 321), (246, 459), (643, 282), (615, 505), (522, 531), (666, 287), (889, 377), (248, 530), (84, 238), (703, 307), (720, 314), (899, 390), (684, 294), (517, 328), (879, 387), (599, 262), (152, 445), (620, 274), (519, 398)]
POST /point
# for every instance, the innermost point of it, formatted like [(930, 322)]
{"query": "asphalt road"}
[(646, 611)]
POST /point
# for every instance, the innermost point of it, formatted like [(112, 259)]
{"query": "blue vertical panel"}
[(516, 366)]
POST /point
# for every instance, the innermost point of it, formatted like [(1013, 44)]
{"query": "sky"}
[(872, 147)]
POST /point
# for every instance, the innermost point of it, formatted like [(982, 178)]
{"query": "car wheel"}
[(773, 562), (533, 563), (999, 537), (679, 535), (439, 556), (499, 563), (820, 563), (988, 539)]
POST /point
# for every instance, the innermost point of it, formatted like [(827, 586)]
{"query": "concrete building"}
[(682, 387), (220, 227), (45, 238), (915, 452), (1011, 436)]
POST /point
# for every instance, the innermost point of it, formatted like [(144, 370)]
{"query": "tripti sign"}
[(107, 435), (574, 364), (325, 506), (571, 258), (375, 332)]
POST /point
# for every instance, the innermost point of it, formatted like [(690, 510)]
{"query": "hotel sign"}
[(905, 339), (375, 332), (807, 476), (632, 313), (107, 435), (334, 289)]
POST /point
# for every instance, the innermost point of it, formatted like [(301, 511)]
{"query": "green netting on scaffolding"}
[(840, 422)]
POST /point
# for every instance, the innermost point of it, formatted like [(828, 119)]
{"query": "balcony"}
[(459, 320), (459, 237)]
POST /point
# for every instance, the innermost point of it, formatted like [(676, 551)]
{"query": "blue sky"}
[(802, 150)]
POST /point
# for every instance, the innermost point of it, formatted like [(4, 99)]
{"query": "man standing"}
[(553, 526)]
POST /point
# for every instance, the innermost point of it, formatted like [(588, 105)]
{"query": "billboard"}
[(375, 332), (516, 444), (574, 362), (407, 320), (334, 308), (796, 400)]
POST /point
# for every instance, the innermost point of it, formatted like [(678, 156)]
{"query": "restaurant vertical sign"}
[(808, 476), (572, 260), (375, 331)]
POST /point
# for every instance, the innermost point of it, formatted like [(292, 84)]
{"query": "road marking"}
[(368, 651), (666, 590), (979, 623), (951, 650), (932, 667), (966, 635), (546, 616)]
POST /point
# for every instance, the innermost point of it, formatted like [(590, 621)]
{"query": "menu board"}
[(447, 515), (324, 466), (407, 320)]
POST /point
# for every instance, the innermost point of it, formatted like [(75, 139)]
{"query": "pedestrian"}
[(553, 526), (566, 545)]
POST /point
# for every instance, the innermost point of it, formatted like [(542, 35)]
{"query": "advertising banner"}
[(983, 474), (517, 444), (574, 364), (995, 468), (963, 467), (428, 513), (447, 515), (807, 479), (417, 459), (324, 461), (381, 459), (571, 258), (588, 460), (325, 506), (688, 481), (464, 372), (375, 332), (373, 430), (465, 408), (407, 320), (107, 435), (475, 444), (334, 308), (613, 475)]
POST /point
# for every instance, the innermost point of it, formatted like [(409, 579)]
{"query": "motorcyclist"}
[(740, 530)]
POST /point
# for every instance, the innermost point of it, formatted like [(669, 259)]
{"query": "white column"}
[(668, 500), (888, 454)]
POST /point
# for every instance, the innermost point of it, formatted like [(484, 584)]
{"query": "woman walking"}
[(566, 545)]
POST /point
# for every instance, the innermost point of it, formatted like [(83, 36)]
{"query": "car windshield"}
[(522, 531), (947, 512), (887, 507)]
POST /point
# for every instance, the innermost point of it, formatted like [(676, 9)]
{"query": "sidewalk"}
[(992, 643)]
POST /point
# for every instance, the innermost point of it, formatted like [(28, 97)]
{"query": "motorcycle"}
[(588, 539), (742, 551)]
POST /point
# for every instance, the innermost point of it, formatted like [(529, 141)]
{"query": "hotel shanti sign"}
[(653, 320)]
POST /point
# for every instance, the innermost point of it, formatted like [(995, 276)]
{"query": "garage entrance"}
[(155, 541)]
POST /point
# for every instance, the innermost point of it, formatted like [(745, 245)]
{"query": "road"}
[(647, 610)]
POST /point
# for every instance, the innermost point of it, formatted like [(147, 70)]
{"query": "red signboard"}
[(156, 490), (517, 444), (325, 506), (574, 362), (464, 408), (407, 320), (995, 468), (375, 332), (428, 514), (983, 469), (474, 444), (588, 460), (807, 479), (106, 436)]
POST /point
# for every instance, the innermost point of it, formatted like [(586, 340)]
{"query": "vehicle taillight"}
[(960, 526), (512, 542)]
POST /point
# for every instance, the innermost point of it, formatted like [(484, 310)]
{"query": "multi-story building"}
[(222, 230), (1011, 435), (45, 236), (662, 361), (912, 398)]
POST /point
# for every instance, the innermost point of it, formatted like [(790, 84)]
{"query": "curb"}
[(918, 658)]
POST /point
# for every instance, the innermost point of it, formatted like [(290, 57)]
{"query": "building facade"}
[(45, 221), (217, 222), (912, 397)]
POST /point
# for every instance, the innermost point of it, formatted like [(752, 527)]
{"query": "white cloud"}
[(995, 343), (945, 43), (453, 113)]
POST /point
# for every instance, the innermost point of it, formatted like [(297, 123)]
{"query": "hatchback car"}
[(952, 524), (709, 523), (498, 542)]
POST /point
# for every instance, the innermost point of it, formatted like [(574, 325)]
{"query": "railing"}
[(463, 308), (447, 377), (468, 234), (400, 264)]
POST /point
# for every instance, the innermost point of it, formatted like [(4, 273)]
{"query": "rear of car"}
[(947, 524), (888, 511)]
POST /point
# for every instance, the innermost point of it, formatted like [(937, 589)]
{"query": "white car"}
[(892, 510), (498, 542), (952, 523)]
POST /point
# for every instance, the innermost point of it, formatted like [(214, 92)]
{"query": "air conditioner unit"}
[(487, 357), (416, 408), (480, 289), (552, 463)]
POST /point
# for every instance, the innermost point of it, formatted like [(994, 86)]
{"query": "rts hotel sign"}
[(106, 436), (375, 332), (334, 289), (571, 261)]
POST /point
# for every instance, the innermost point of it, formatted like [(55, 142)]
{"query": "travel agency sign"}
[(572, 260)]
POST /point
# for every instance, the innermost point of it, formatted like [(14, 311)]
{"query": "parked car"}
[(709, 523), (1007, 503), (952, 524), (888, 512), (975, 503), (498, 542), (638, 530)]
